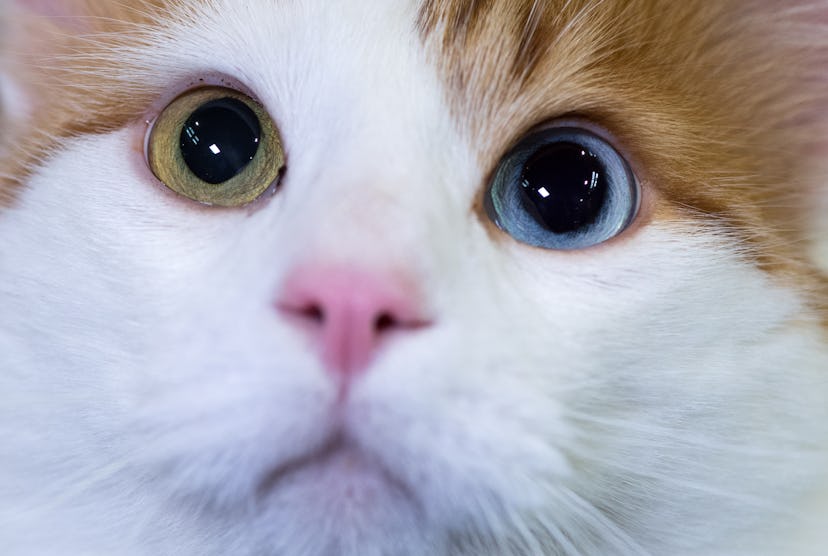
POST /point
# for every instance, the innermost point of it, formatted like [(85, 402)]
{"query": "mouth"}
[(339, 472)]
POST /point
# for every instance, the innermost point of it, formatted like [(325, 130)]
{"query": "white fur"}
[(659, 396)]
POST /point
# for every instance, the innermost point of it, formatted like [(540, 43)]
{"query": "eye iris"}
[(219, 139), (563, 186)]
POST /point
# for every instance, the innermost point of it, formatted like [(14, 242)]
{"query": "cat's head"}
[(403, 323)]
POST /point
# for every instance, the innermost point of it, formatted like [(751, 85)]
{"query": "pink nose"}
[(349, 313)]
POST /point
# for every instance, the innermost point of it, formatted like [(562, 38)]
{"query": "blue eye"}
[(563, 188)]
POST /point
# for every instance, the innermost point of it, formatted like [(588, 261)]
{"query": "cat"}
[(404, 278)]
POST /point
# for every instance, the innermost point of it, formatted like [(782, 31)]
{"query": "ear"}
[(31, 30), (13, 105), (15, 101)]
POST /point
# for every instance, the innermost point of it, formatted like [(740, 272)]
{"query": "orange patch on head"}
[(715, 100)]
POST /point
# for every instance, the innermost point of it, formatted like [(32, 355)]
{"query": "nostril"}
[(384, 322), (310, 312), (313, 312)]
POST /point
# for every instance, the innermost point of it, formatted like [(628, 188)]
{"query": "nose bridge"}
[(369, 201)]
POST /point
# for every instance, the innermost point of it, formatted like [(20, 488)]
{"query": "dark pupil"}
[(563, 186), (220, 139)]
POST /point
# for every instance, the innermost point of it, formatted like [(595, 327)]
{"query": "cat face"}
[(379, 354)]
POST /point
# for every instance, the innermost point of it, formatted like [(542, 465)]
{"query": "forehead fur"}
[(717, 103)]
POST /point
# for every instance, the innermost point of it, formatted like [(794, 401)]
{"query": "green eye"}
[(216, 146)]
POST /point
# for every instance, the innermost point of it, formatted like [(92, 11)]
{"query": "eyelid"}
[(178, 87), (600, 131)]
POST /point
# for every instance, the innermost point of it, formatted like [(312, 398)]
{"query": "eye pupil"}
[(219, 139), (563, 185)]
